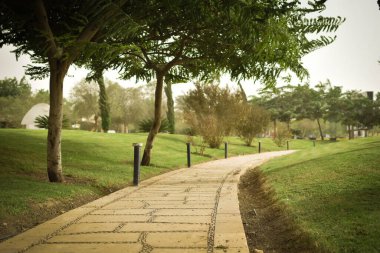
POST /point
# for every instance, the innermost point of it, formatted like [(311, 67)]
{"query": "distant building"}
[(41, 109)]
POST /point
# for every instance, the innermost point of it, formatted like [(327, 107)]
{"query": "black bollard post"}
[(287, 145), (226, 150), (136, 163), (188, 155), (259, 146)]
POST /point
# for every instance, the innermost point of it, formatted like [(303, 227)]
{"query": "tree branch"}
[(44, 27)]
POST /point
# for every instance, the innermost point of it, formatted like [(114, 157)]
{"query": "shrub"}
[(146, 124), (253, 121), (283, 134), (211, 111), (42, 121)]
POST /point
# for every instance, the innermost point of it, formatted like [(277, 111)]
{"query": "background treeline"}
[(323, 110), (208, 110)]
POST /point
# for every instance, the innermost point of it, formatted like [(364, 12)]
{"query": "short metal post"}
[(136, 163), (188, 154), (287, 145), (226, 150), (259, 146), (314, 144)]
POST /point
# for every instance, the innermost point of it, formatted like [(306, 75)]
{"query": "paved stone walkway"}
[(189, 210)]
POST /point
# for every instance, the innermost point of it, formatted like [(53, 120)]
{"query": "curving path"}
[(189, 210)]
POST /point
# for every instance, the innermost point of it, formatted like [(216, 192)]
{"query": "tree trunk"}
[(54, 161), (104, 106), (320, 129), (350, 132), (274, 128), (156, 120), (243, 92), (170, 104)]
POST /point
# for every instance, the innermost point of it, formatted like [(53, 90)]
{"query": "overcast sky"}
[(351, 61)]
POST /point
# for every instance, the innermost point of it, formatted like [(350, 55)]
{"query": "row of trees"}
[(248, 39), (127, 107), (325, 102)]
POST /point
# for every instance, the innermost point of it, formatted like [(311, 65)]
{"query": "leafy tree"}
[(212, 111), (128, 105), (16, 98), (310, 104), (252, 121), (55, 34), (85, 97), (10, 87), (170, 104), (104, 106), (202, 38)]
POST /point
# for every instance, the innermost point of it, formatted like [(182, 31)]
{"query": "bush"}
[(146, 124), (211, 112), (87, 126), (42, 121), (253, 121), (283, 134)]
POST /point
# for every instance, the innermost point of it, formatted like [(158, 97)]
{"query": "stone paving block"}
[(113, 218), (162, 227), (181, 250), (182, 219), (124, 205), (123, 211), (84, 248), (228, 227), (177, 239), (184, 212), (96, 237), (90, 227), (230, 240), (230, 250), (180, 206)]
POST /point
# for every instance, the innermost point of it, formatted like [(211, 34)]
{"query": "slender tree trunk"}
[(274, 128), (156, 120), (350, 132), (170, 104), (104, 106), (54, 162), (320, 129), (243, 92)]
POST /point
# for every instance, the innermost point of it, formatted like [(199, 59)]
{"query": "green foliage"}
[(10, 87), (170, 104), (252, 121), (283, 134), (42, 121), (16, 99), (104, 106), (211, 111), (146, 124)]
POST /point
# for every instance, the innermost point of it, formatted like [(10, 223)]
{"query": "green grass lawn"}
[(333, 192), (93, 164)]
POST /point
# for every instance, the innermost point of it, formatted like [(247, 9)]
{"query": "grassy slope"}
[(333, 191), (94, 163)]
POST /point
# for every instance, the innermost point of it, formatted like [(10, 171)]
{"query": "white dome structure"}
[(41, 109)]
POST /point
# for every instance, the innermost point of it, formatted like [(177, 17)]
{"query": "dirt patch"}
[(39, 213), (267, 224)]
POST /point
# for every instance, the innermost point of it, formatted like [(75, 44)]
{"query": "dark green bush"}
[(146, 124)]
